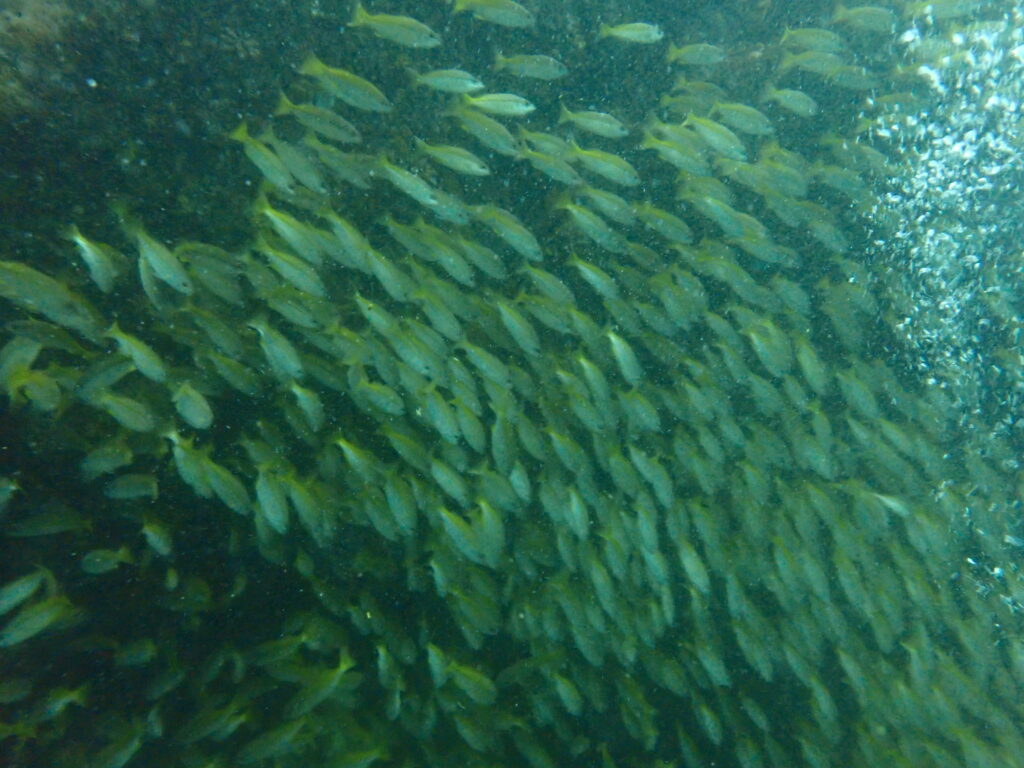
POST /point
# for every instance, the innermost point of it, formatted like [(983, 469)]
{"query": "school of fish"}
[(525, 430)]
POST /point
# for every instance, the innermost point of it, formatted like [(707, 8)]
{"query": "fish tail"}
[(284, 105), (311, 66), (359, 15), (241, 133)]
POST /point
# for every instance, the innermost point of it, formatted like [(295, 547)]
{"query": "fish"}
[(812, 39), (506, 13), (41, 294), (391, 278), (300, 162), (504, 104), (317, 685), (696, 54), (817, 62), (666, 224), (463, 536), (165, 265), (553, 167), (680, 154), (225, 486), (485, 129), (718, 137), (569, 695), (598, 123), (325, 122), (132, 486), (350, 248), (38, 617), (105, 264), (488, 365), (17, 591), (403, 30), (482, 258), (408, 182), (97, 562), (597, 278), (792, 100), (264, 158), (145, 360), (770, 346), (547, 143), (607, 165), (158, 537), (297, 271), (610, 205), (519, 328), (625, 357), (450, 481), (594, 227), (271, 743), (535, 66), (510, 229), (633, 32), (279, 352), (16, 359), (844, 180), (237, 375), (477, 686), (354, 169), (192, 406), (744, 118), (302, 237), (458, 159), (128, 412), (272, 498), (310, 404), (48, 523), (448, 81), (347, 86), (866, 18), (214, 269), (104, 459), (470, 426), (58, 700)]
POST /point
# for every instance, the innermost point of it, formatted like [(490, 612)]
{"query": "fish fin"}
[(284, 105), (241, 133)]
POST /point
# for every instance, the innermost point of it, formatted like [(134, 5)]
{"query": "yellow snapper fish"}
[(398, 29), (39, 293), (634, 32), (697, 54), (265, 159), (598, 123), (505, 13), (458, 159), (104, 263), (504, 104), (328, 124), (536, 66), (447, 80), (350, 88)]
